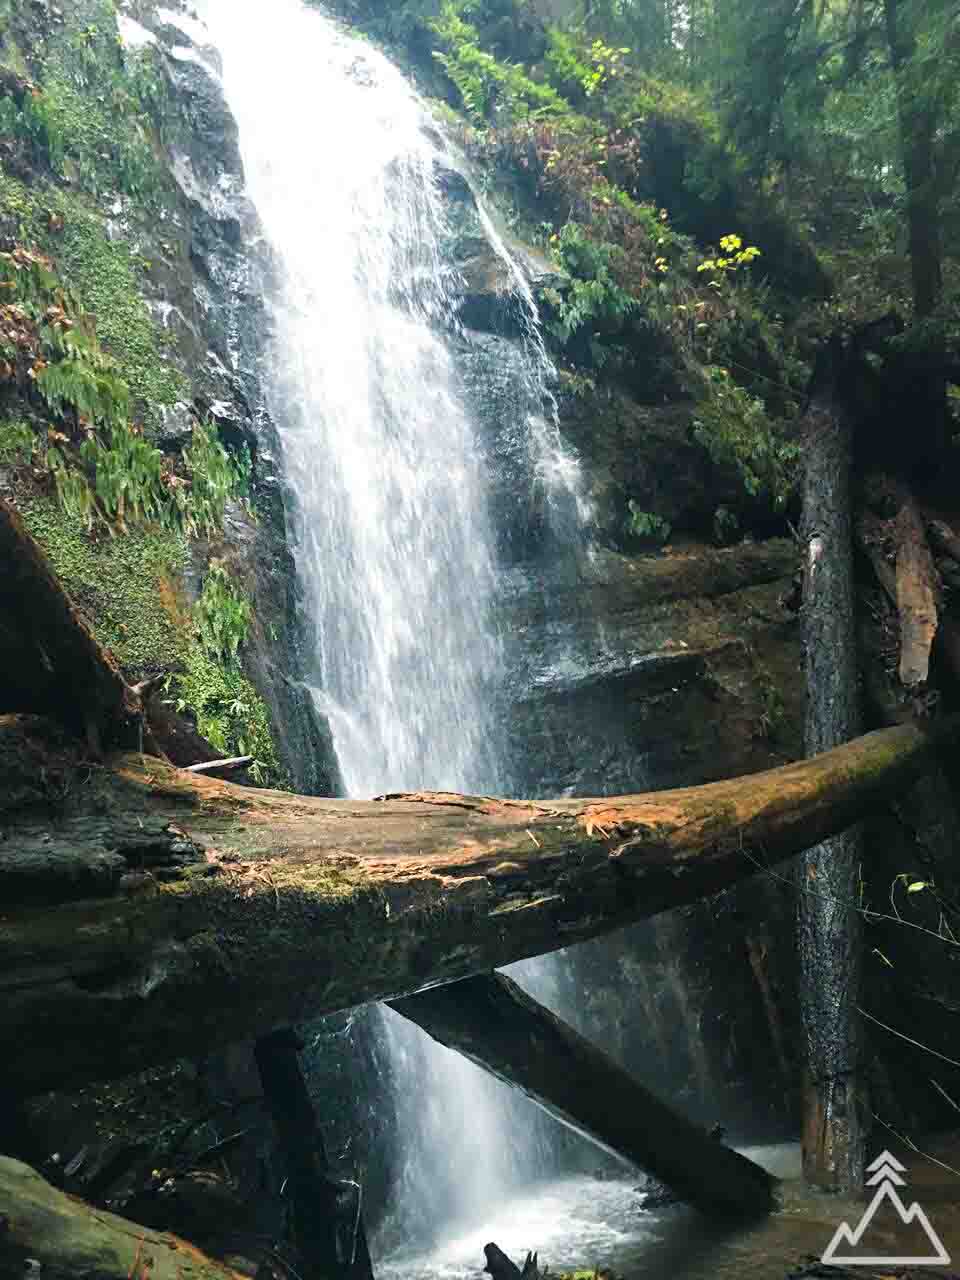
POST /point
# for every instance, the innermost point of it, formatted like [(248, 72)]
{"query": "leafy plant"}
[(17, 442), (734, 428), (216, 478), (593, 299), (736, 257), (229, 712), (647, 525), (223, 614), (486, 85)]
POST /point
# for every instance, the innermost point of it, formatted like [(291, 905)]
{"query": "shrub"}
[(734, 428)]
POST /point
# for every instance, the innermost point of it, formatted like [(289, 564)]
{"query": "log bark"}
[(494, 1023), (830, 927), (149, 913), (67, 1238)]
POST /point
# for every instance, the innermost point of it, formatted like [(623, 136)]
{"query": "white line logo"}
[(886, 1178)]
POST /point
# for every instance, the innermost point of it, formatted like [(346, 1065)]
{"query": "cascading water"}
[(393, 537)]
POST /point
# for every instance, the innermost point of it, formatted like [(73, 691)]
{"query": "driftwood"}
[(221, 766), (149, 913), (66, 1238), (500, 1267), (494, 1023), (830, 927)]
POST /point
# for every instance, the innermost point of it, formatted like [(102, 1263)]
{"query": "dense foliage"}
[(702, 172)]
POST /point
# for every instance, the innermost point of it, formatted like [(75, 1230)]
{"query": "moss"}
[(229, 712), (124, 584), (107, 278)]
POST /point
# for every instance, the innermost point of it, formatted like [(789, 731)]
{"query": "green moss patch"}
[(124, 584)]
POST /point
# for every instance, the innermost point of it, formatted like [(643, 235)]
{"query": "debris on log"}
[(44, 1230), (151, 913), (496, 1024)]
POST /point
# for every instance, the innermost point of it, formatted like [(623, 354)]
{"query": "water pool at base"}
[(585, 1222)]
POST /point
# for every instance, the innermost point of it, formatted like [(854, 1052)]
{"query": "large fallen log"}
[(60, 1238), (493, 1022), (148, 913)]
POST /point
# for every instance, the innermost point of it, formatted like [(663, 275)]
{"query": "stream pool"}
[(584, 1222)]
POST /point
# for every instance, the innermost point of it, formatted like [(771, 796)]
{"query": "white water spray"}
[(392, 534)]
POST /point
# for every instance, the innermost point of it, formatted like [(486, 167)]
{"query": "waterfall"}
[(391, 527)]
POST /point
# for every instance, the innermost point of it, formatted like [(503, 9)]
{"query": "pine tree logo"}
[(886, 1174)]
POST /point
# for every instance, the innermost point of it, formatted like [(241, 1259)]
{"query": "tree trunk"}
[(150, 913), (495, 1024), (67, 1238), (329, 1235), (918, 131), (918, 140), (834, 1110)]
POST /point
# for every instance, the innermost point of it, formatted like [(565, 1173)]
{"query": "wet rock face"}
[(656, 672), (208, 290)]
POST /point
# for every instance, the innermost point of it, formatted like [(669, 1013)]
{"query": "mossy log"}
[(150, 913), (66, 1238), (497, 1025), (50, 662)]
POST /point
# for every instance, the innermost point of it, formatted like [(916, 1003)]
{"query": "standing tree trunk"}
[(830, 926), (918, 131), (918, 119), (328, 1228)]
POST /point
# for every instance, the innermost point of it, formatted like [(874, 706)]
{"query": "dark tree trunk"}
[(918, 140), (918, 130), (495, 1024), (830, 925), (328, 1232)]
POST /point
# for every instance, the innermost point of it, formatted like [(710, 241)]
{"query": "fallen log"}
[(50, 662), (494, 1023), (66, 1238), (148, 913)]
